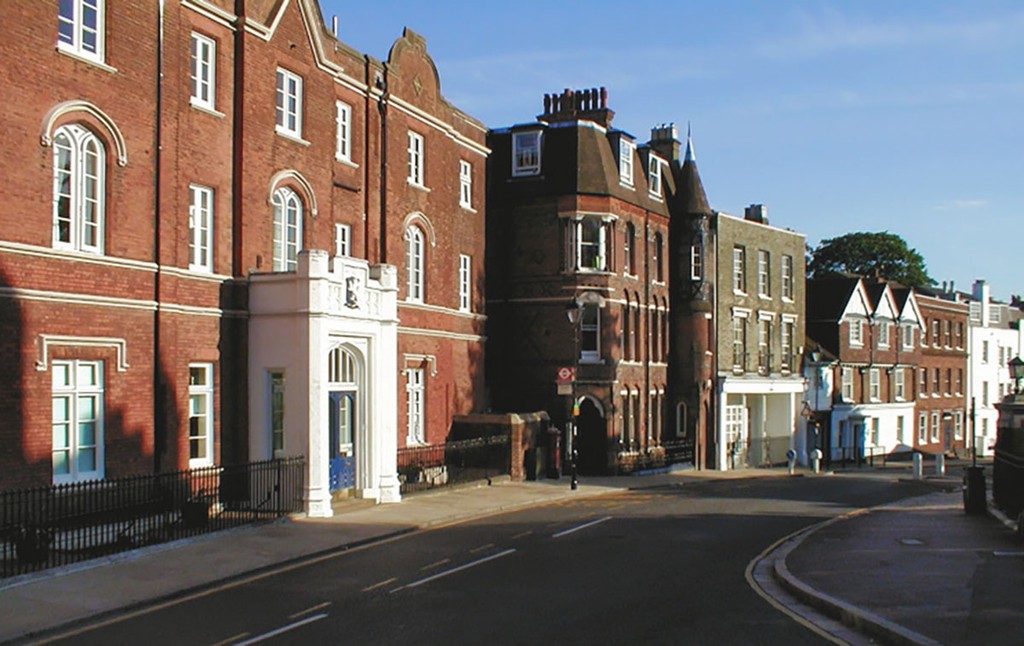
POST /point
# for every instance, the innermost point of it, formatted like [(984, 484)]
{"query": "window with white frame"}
[(739, 269), (415, 253), (856, 332), (739, 342), (465, 282), (764, 276), (935, 426), (591, 237), (654, 175), (900, 384), (847, 384), (78, 444), (984, 393), (883, 334), (80, 28), (923, 385), (908, 337), (626, 150), (415, 158), (984, 351), (786, 345), (875, 429), (764, 348), (204, 71), (526, 153), (958, 425), (79, 189), (936, 382), (276, 379), (287, 229), (900, 430), (342, 240), (465, 184), (875, 384), (200, 228), (343, 132), (200, 414), (922, 428), (289, 103), (590, 333), (415, 391), (696, 262), (787, 277), (629, 250)]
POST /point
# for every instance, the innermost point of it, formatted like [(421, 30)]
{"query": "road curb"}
[(855, 617)]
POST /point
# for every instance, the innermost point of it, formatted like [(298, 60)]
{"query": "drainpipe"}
[(382, 106), (159, 421)]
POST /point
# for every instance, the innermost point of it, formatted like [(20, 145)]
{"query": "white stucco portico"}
[(757, 419), (326, 329)]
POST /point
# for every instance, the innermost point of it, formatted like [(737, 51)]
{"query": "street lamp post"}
[(1016, 366), (574, 312)]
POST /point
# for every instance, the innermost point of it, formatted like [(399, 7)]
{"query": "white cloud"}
[(960, 205), (832, 31)]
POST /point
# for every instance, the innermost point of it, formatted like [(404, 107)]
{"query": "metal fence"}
[(667, 454), (439, 465), (45, 527)]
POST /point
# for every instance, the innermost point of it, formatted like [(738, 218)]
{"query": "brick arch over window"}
[(296, 181), (70, 107), (419, 220)]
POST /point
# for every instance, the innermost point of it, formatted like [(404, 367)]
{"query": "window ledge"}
[(466, 207), (208, 109), (291, 136), (346, 161), (656, 197), (78, 56), (417, 185), (627, 185), (765, 297), (738, 292)]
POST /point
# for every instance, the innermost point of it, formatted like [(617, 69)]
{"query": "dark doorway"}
[(592, 435)]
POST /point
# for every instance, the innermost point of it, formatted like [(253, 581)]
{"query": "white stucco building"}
[(994, 337)]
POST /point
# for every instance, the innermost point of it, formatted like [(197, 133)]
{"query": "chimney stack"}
[(665, 141), (589, 104), (756, 213)]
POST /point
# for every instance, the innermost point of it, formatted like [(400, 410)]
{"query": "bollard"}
[(940, 464), (816, 460), (791, 459), (918, 468)]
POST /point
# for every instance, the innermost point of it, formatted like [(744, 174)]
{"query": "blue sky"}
[(840, 116)]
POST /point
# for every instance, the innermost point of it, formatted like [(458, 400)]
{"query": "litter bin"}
[(974, 490)]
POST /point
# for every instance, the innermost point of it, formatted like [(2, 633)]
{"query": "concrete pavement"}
[(870, 563)]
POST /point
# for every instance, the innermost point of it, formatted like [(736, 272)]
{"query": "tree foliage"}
[(867, 253)]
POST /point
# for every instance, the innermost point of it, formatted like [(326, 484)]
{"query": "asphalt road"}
[(648, 566)]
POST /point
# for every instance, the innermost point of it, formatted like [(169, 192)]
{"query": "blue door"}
[(342, 422)]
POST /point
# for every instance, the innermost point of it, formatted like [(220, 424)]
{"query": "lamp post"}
[(574, 312)]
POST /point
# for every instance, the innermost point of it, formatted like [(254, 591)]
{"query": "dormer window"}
[(883, 334), (526, 153), (626, 150), (654, 176)]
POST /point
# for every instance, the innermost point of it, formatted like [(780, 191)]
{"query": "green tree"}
[(866, 253)]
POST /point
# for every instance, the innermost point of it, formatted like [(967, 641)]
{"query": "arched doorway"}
[(592, 434), (343, 417)]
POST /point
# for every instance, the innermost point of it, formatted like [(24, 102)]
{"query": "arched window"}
[(415, 249), (79, 187), (341, 368), (287, 229)]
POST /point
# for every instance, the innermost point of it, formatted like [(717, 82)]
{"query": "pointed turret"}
[(690, 195)]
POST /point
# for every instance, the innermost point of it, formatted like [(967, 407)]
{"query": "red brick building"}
[(579, 221), (164, 159), (942, 375)]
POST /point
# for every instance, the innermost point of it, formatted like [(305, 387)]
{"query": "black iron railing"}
[(438, 465), (46, 527)]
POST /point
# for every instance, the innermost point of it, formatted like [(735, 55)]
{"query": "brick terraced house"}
[(229, 236)]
